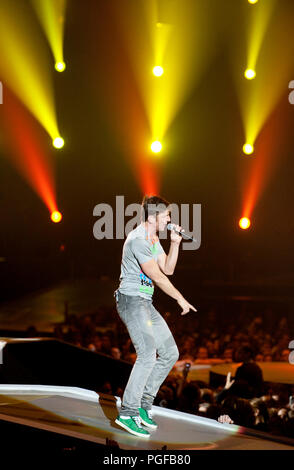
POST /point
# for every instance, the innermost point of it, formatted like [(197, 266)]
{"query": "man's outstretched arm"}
[(151, 269)]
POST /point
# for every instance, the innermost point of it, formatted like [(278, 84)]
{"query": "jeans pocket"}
[(120, 305), (116, 294)]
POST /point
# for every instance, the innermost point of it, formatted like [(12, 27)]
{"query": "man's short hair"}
[(153, 205)]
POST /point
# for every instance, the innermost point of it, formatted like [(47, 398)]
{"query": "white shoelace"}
[(137, 420), (149, 413)]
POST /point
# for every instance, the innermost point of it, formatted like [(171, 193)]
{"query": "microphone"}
[(180, 232)]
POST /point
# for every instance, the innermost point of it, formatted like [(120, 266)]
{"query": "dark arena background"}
[(103, 102)]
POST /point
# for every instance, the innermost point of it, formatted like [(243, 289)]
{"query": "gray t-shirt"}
[(137, 249)]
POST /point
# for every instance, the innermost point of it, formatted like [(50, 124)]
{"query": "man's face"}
[(162, 219)]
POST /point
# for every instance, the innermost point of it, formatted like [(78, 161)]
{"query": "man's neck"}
[(150, 230)]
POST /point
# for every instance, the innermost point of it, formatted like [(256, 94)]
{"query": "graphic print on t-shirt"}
[(146, 284), (154, 249)]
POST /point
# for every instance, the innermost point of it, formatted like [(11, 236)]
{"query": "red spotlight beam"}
[(27, 149), (264, 162), (125, 106)]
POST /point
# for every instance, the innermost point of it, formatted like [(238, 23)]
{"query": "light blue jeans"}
[(150, 335)]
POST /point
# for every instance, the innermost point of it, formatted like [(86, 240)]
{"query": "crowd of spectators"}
[(250, 339), (198, 341), (244, 400), (271, 411)]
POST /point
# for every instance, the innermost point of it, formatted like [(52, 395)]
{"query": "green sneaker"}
[(132, 424), (146, 418)]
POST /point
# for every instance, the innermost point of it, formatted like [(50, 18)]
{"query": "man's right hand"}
[(151, 269), (185, 306)]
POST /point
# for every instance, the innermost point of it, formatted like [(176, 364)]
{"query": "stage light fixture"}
[(248, 149), (158, 71), (60, 66), (250, 74), (56, 216), (58, 142), (156, 146), (244, 223)]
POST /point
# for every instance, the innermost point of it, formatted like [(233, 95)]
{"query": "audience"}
[(248, 381), (244, 400)]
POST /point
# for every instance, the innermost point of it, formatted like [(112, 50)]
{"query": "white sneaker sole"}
[(151, 426), (130, 430)]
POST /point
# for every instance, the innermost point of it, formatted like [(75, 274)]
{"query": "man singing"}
[(144, 262)]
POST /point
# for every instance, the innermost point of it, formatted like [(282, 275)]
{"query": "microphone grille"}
[(169, 226)]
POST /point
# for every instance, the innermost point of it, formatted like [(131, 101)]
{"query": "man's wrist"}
[(179, 297)]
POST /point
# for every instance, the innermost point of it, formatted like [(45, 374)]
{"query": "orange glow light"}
[(244, 223), (28, 149), (56, 216), (268, 155)]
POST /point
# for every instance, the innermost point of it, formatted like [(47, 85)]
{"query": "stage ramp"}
[(84, 414)]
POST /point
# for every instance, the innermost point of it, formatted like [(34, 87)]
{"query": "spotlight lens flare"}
[(56, 216), (252, 1), (156, 146), (250, 74), (58, 142), (158, 71), (60, 66), (248, 149), (244, 223)]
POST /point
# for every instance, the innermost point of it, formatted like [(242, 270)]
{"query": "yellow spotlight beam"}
[(24, 63), (167, 35), (262, 115), (259, 97), (51, 14), (177, 32), (161, 36), (261, 16)]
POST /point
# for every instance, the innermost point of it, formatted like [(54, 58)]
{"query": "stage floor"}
[(85, 415)]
